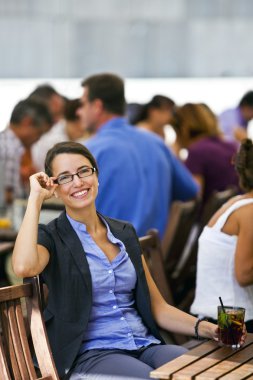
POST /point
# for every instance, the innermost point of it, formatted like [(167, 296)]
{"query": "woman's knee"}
[(156, 356)]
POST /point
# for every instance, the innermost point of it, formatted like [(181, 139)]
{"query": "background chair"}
[(183, 216), (216, 200), (183, 279), (151, 249), (179, 236)]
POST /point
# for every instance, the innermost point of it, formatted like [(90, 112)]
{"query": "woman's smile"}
[(80, 194)]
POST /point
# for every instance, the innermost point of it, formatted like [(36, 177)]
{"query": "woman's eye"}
[(63, 178), (83, 171)]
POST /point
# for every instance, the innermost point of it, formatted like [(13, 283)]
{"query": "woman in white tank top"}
[(225, 252)]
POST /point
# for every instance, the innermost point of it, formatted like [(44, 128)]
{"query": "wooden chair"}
[(151, 249), (183, 216), (183, 280), (23, 334)]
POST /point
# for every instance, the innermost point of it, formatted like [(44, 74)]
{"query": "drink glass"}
[(230, 323)]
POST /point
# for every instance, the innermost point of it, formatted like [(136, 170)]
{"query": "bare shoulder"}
[(244, 214), (222, 209), (238, 217)]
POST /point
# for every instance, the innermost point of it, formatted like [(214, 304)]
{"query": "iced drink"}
[(230, 322)]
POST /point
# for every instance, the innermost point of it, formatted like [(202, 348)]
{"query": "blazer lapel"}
[(75, 247), (119, 230)]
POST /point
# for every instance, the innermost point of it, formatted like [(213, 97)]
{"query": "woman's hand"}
[(244, 335), (42, 185)]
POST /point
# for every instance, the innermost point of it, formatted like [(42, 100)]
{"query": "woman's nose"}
[(77, 180)]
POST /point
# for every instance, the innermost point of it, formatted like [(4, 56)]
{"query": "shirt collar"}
[(78, 226), (114, 122)]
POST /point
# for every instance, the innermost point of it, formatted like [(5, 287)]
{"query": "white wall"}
[(135, 38)]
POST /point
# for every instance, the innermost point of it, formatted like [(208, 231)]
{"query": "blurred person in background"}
[(29, 120), (154, 115), (140, 176), (234, 121), (209, 156), (225, 259), (55, 102), (69, 129)]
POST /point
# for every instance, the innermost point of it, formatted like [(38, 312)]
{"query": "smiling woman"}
[(103, 305)]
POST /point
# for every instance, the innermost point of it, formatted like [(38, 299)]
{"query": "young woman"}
[(103, 310), (225, 256), (209, 155), (155, 115)]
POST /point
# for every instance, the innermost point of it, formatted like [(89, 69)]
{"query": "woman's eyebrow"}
[(68, 172)]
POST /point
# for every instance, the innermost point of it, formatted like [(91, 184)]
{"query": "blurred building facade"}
[(135, 38)]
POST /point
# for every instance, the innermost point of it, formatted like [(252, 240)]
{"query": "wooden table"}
[(210, 361)]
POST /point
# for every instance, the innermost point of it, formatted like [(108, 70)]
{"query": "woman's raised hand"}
[(42, 185)]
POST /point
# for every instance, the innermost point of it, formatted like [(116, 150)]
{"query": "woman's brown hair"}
[(244, 165), (69, 147)]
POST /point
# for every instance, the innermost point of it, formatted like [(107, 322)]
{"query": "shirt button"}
[(129, 334), (122, 318), (114, 307), (110, 271), (111, 291)]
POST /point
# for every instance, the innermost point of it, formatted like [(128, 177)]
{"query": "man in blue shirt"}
[(140, 176)]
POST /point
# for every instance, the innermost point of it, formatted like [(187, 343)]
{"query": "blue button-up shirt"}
[(114, 321)]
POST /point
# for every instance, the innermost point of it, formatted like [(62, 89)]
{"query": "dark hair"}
[(110, 89), (71, 107), (37, 111), (244, 164), (69, 147), (158, 102), (133, 110), (43, 92), (247, 99)]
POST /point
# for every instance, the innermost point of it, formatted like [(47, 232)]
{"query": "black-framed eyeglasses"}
[(82, 173)]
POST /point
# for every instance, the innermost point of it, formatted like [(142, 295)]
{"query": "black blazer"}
[(68, 278)]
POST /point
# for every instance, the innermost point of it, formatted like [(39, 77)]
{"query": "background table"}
[(6, 247)]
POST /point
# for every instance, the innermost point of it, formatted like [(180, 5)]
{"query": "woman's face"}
[(80, 192)]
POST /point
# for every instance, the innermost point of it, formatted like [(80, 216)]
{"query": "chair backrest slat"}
[(26, 352), (23, 333), (183, 216), (38, 332), (4, 370), (8, 342), (18, 337)]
